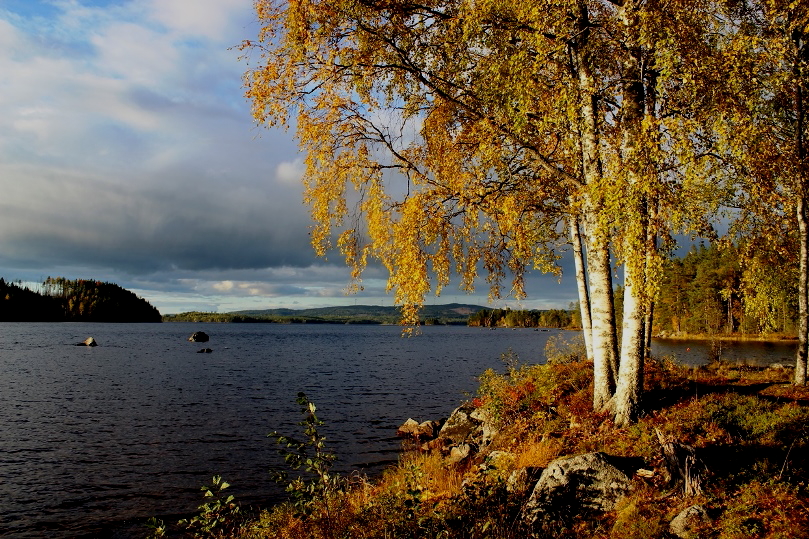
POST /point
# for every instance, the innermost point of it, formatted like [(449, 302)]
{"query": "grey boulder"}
[(688, 522), (587, 483)]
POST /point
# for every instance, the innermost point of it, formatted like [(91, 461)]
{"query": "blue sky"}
[(128, 154)]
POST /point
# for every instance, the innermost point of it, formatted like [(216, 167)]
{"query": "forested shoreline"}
[(79, 300)]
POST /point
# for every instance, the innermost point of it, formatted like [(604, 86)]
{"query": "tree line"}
[(712, 290), (551, 318), (485, 138), (79, 300)]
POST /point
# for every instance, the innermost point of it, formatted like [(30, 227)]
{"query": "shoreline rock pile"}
[(585, 484)]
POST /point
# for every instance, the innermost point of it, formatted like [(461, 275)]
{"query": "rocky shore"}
[(584, 484)]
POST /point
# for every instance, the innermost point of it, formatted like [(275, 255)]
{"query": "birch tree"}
[(460, 135)]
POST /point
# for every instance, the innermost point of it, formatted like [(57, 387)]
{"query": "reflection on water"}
[(694, 353)]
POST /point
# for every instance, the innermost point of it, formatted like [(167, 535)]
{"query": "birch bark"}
[(802, 57), (626, 403), (581, 282), (602, 315), (803, 295)]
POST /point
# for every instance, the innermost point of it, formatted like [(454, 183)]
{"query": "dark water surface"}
[(95, 440)]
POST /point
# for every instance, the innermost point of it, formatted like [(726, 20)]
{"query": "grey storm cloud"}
[(199, 226)]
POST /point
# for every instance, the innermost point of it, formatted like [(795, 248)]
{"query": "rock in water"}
[(418, 431), (89, 341), (199, 336)]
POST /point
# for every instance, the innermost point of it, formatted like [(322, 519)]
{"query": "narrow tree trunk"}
[(803, 293), (627, 400), (647, 328), (651, 256), (602, 315), (803, 226), (581, 282)]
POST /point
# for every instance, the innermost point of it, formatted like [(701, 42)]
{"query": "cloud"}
[(213, 19), (125, 144), (128, 153), (290, 172), (257, 288)]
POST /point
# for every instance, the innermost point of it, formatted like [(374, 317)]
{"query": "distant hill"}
[(449, 311), (452, 313)]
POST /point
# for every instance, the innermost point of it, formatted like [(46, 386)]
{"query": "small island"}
[(79, 300)]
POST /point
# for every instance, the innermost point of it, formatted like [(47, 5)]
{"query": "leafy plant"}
[(158, 528), (561, 351), (219, 516), (313, 459)]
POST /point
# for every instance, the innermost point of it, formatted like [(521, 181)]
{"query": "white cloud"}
[(209, 18), (136, 54), (290, 172)]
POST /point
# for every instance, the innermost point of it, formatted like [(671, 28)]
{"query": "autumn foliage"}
[(464, 137)]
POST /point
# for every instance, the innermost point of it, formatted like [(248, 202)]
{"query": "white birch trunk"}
[(803, 293), (627, 400), (803, 225), (626, 403), (602, 314), (581, 282)]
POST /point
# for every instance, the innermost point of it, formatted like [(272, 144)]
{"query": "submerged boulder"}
[(204, 351), (199, 336)]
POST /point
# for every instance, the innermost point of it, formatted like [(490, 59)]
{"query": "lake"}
[(95, 440)]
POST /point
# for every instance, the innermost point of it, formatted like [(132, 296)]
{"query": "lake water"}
[(95, 440)]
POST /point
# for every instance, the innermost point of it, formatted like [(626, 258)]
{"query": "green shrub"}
[(316, 485), (219, 516)]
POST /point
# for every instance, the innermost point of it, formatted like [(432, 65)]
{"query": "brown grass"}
[(538, 453)]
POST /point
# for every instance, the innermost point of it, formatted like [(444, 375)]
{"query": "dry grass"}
[(427, 472), (538, 453)]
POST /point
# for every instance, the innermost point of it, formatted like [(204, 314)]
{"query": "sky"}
[(128, 154)]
